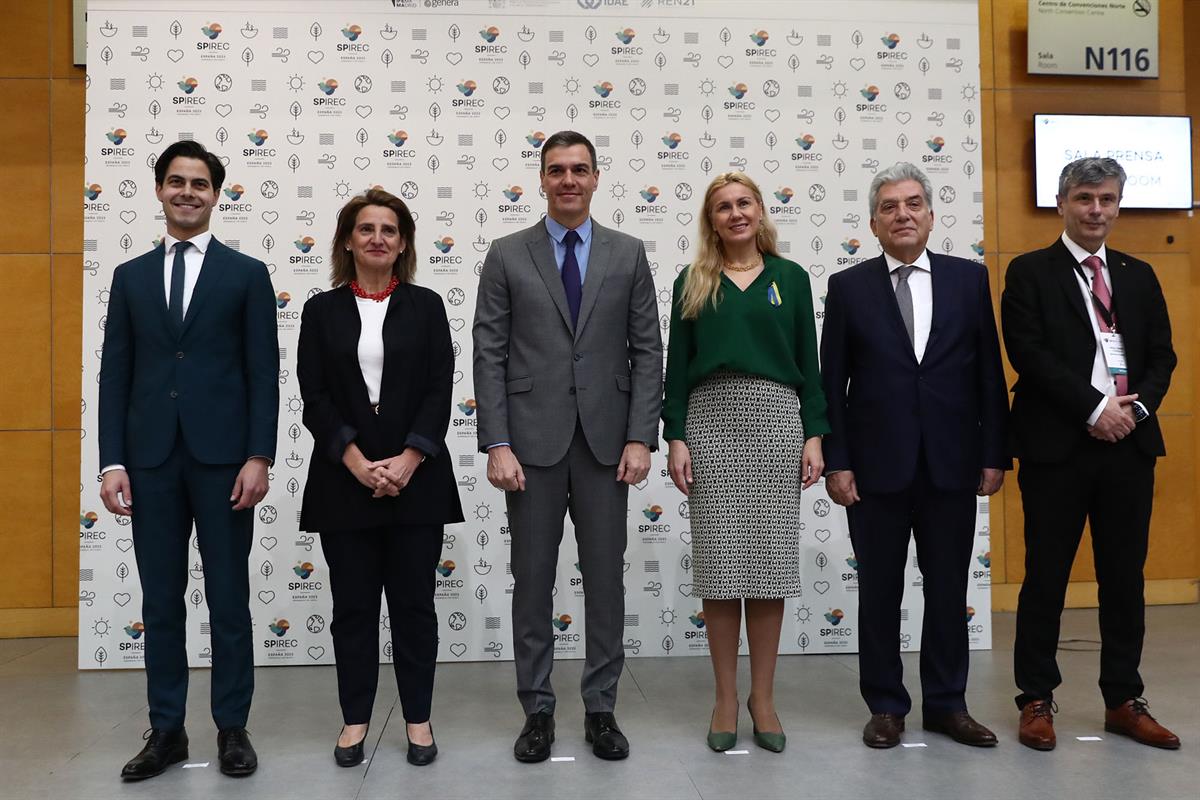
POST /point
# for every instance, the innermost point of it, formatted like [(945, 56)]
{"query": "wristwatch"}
[(1140, 414)]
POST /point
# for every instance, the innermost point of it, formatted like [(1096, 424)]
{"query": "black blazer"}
[(1052, 346), (414, 410), (216, 379), (884, 405)]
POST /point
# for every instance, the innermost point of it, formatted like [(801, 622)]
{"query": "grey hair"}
[(1087, 171), (900, 171)]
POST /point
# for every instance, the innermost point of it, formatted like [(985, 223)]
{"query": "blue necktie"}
[(175, 303), (570, 276)]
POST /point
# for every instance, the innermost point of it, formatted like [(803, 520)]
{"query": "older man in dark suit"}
[(568, 379), (1087, 331), (911, 367), (189, 399)]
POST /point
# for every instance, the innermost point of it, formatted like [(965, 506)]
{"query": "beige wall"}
[(41, 264)]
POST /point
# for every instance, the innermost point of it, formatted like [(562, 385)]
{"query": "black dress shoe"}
[(163, 748), (350, 756), (420, 755), (533, 744), (961, 728), (235, 752), (601, 732), (883, 730)]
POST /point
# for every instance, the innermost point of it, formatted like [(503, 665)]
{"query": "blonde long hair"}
[(702, 286)]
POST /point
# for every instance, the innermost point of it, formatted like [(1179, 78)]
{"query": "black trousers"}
[(943, 525), (1112, 487), (399, 561), (167, 500)]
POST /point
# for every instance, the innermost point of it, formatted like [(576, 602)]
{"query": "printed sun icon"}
[(571, 86), (481, 190), (617, 190), (435, 84), (155, 81), (296, 83)]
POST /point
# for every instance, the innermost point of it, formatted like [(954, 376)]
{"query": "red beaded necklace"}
[(378, 297)]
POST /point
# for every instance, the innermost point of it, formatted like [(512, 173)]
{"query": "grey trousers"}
[(598, 504)]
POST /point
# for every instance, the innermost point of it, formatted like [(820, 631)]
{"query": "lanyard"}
[(1107, 314)]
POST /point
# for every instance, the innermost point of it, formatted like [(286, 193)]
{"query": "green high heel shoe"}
[(775, 742), (720, 741)]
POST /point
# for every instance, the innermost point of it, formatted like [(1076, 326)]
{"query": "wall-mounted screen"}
[(1156, 153)]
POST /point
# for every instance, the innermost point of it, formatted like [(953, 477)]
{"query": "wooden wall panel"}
[(1013, 225), (25, 333), (25, 519)]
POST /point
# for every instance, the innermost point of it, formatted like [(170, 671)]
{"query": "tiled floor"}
[(66, 733)]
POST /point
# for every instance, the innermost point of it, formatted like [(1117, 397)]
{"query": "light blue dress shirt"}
[(582, 250)]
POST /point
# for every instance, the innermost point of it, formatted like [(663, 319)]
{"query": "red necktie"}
[(1100, 290)]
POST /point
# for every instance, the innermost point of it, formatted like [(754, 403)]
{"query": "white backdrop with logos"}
[(446, 103)]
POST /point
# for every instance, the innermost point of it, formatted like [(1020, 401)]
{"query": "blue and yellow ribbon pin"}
[(773, 295)]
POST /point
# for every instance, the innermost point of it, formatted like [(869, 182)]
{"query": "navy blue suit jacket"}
[(216, 378), (885, 407)]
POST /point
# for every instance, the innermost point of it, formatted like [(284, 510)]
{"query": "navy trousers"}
[(167, 500), (943, 524)]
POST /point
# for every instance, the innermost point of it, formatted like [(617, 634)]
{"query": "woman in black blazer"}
[(376, 368)]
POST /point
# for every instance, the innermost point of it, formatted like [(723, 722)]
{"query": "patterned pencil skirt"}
[(746, 439)]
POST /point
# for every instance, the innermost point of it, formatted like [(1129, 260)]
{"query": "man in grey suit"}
[(568, 381)]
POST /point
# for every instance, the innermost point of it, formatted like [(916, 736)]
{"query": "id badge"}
[(1114, 353)]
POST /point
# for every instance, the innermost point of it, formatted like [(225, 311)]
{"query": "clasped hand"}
[(386, 477)]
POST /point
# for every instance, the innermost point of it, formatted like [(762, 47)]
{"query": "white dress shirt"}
[(193, 259), (1103, 382), (370, 344), (920, 284)]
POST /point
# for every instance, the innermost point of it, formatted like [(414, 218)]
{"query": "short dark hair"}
[(567, 139), (342, 262), (1090, 171), (189, 149)]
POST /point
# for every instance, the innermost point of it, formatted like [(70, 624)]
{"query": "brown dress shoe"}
[(1132, 719), (883, 730), (961, 728), (1037, 725)]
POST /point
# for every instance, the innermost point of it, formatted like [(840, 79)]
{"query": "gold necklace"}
[(734, 267)]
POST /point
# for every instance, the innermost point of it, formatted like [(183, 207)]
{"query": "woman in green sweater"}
[(744, 414)]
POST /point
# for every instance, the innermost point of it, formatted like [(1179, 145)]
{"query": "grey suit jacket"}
[(535, 377)]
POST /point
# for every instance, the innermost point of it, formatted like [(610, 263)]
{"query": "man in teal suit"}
[(189, 401)]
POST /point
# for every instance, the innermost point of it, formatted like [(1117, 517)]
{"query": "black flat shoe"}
[(235, 753), (601, 732), (162, 749), (350, 756), (420, 755), (533, 744)]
